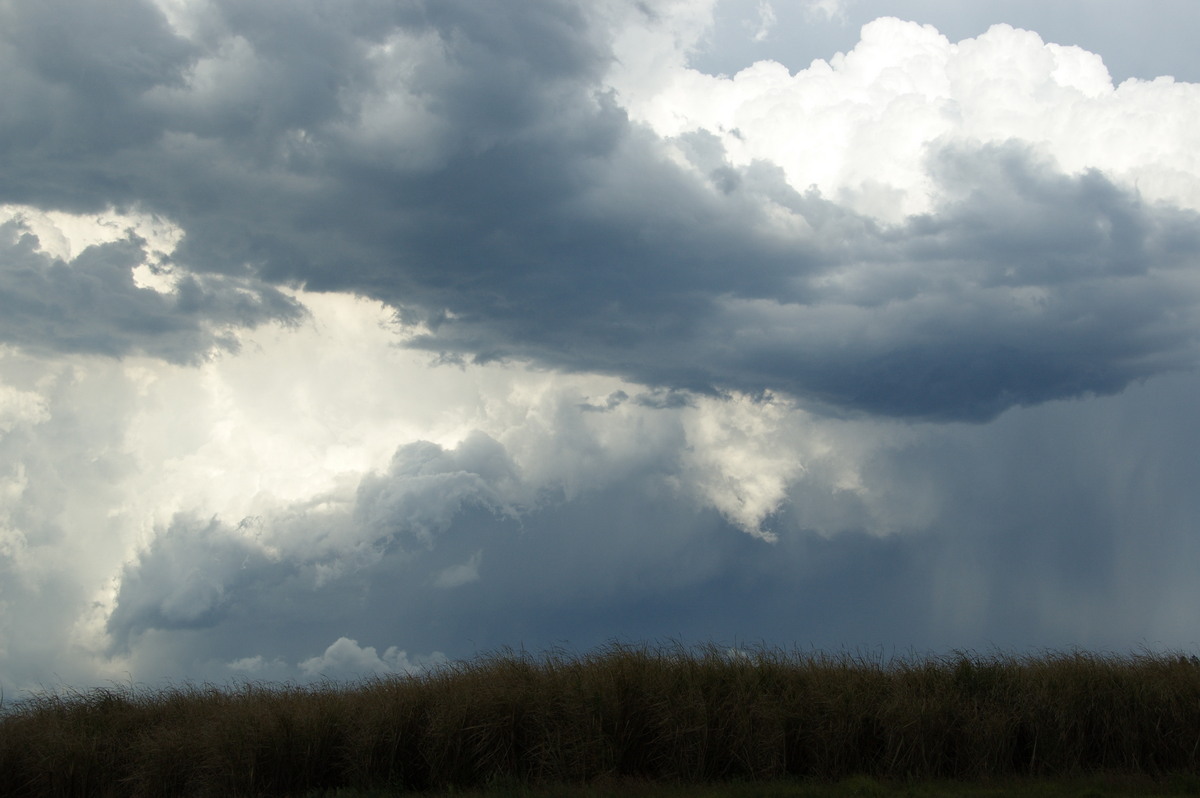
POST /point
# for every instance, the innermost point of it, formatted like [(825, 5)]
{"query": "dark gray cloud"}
[(188, 578), (467, 165), (92, 303), (1028, 285), (196, 572)]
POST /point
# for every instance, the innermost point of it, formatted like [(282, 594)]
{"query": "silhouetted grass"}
[(666, 715)]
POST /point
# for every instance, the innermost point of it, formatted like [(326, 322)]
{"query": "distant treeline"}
[(670, 714)]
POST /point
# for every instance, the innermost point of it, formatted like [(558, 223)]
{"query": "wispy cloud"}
[(766, 20), (826, 9)]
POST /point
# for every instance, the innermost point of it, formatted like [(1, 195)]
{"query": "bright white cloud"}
[(861, 127), (346, 659), (65, 235)]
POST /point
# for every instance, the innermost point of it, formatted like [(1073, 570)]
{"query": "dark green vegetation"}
[(625, 716)]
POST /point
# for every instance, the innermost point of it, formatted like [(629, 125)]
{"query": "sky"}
[(342, 338)]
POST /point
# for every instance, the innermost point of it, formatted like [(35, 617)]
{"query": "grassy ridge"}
[(670, 715)]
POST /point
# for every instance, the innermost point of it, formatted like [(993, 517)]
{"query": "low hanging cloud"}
[(244, 537), (196, 571), (555, 504), (916, 228), (890, 532), (346, 659)]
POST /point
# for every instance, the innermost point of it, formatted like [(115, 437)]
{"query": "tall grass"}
[(674, 714)]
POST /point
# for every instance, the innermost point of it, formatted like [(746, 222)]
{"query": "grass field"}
[(671, 721), (1113, 786)]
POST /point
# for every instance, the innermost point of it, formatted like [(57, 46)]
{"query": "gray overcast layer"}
[(509, 204)]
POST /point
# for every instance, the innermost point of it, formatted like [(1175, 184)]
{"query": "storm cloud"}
[(488, 173), (350, 337)]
